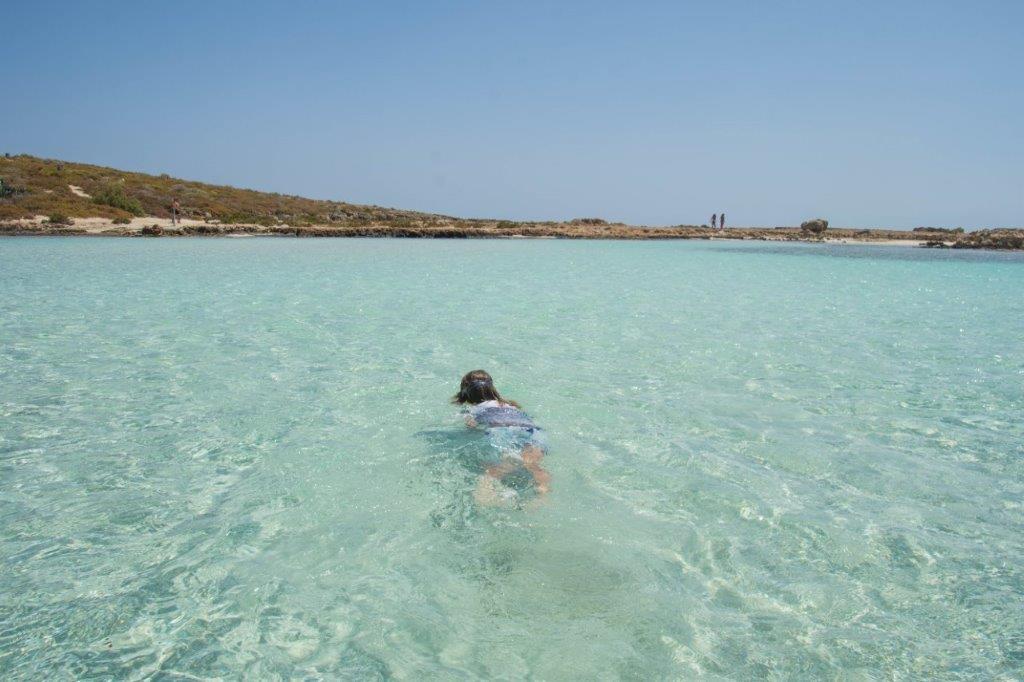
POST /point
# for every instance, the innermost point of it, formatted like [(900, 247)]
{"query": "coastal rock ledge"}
[(1004, 239)]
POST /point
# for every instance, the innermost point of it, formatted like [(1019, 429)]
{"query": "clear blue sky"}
[(868, 113)]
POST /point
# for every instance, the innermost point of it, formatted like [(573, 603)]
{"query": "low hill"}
[(34, 186)]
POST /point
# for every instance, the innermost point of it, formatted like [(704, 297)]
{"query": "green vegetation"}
[(59, 219), (115, 196), (7, 190), (43, 187)]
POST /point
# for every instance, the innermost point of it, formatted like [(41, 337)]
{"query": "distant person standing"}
[(714, 220), (721, 222), (175, 207)]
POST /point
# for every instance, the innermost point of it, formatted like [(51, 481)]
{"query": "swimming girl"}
[(520, 443)]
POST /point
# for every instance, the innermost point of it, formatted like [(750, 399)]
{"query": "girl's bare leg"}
[(486, 493), (532, 455), (488, 486)]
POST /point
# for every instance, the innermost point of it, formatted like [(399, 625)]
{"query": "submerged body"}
[(509, 429)]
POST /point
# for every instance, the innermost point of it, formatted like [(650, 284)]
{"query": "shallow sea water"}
[(235, 457)]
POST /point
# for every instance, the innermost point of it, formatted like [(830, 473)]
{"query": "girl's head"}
[(477, 387)]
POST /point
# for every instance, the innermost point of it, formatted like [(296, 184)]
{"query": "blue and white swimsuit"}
[(509, 429)]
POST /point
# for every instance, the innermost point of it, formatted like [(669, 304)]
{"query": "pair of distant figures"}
[(718, 221)]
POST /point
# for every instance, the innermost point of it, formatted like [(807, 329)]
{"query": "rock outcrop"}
[(816, 226), (1004, 239), (940, 230)]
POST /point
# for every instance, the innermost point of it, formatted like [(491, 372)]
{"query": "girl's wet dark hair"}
[(478, 386)]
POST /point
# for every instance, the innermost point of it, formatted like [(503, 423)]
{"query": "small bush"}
[(8, 190), (59, 219), (121, 220), (114, 195)]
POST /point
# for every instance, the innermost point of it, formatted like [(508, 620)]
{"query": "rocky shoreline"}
[(1006, 240), (984, 239)]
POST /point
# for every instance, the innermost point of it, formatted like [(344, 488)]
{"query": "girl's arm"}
[(467, 416)]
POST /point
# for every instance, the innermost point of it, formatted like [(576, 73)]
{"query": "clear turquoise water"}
[(235, 457)]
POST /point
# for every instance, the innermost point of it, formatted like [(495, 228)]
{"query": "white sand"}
[(100, 225), (877, 242)]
